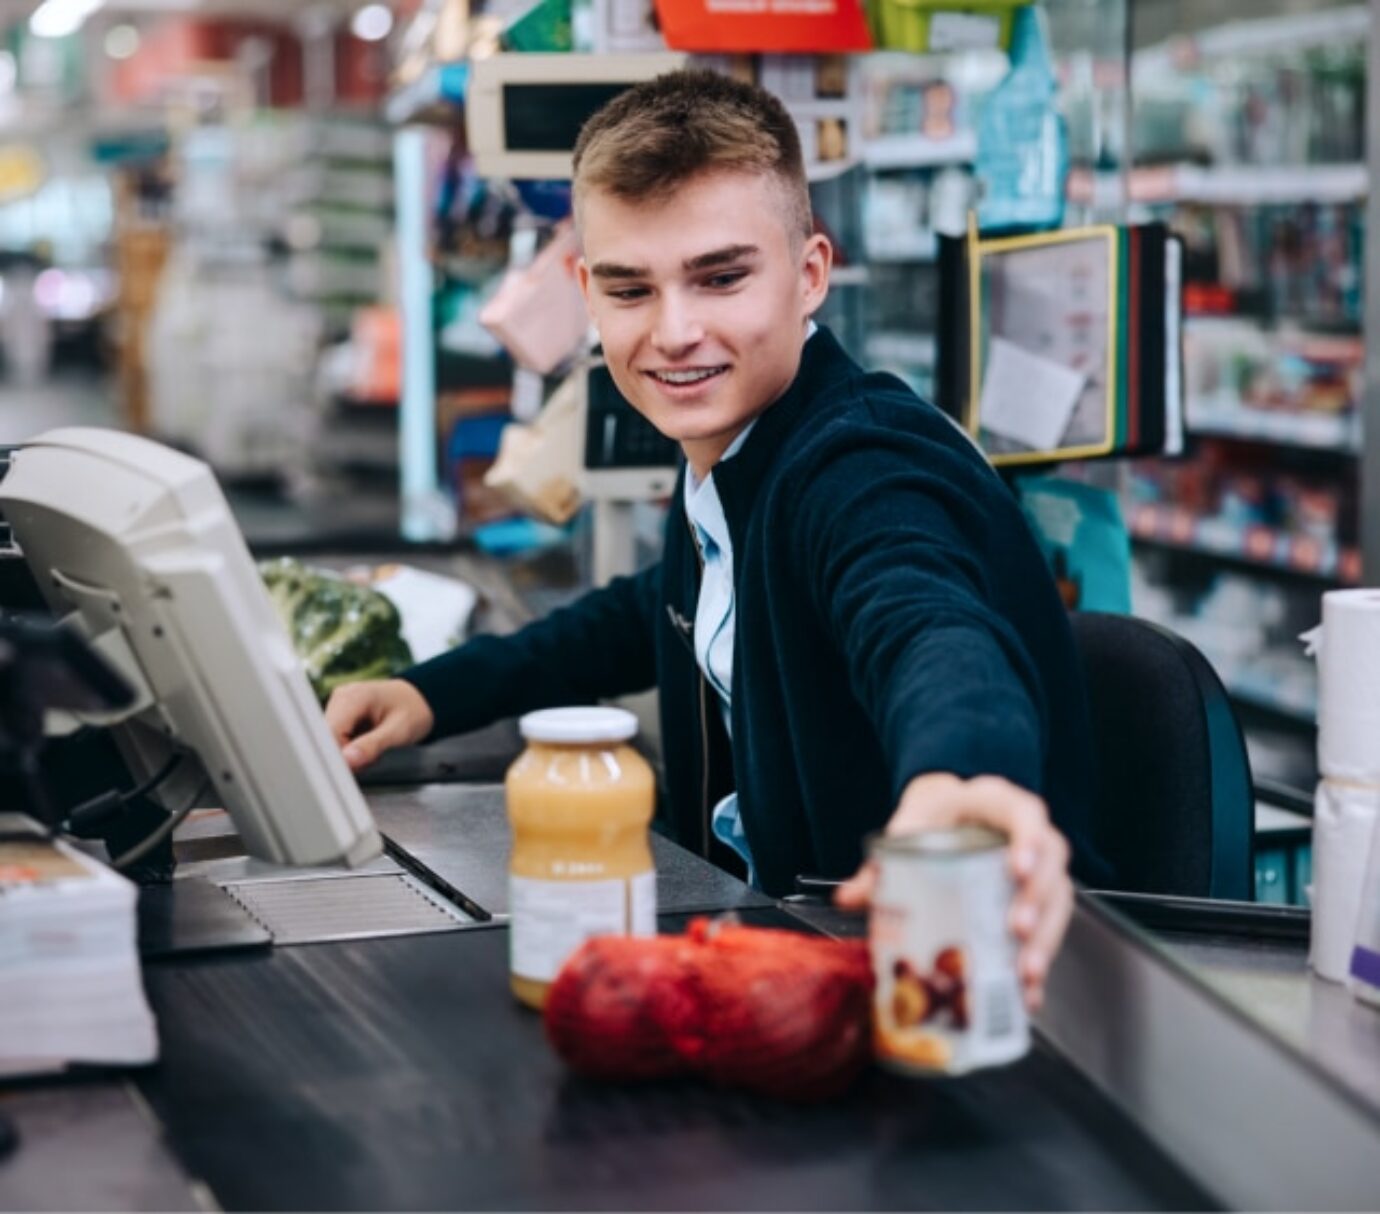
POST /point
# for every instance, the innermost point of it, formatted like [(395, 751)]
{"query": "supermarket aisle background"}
[(272, 521), (61, 400)]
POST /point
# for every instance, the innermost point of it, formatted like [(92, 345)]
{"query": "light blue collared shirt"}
[(715, 619)]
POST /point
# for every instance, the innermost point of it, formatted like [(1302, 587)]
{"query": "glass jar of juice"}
[(580, 800)]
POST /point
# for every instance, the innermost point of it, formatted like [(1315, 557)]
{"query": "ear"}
[(814, 273), (582, 277)]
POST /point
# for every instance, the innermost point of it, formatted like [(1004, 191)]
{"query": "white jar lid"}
[(583, 724)]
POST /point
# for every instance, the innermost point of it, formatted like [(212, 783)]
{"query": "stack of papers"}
[(69, 959)]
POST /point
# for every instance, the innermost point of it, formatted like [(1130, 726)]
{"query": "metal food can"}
[(948, 999)]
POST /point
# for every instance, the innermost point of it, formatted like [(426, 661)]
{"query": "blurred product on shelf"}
[(1023, 146), (615, 26), (1237, 503), (231, 364), (905, 212), (713, 27), (375, 349), (823, 93), (141, 248), (544, 26), (26, 329), (939, 26), (471, 449), (1084, 538), (1249, 631), (277, 222), (538, 312), (539, 466), (1287, 385), (1249, 137), (1280, 105), (1300, 262)]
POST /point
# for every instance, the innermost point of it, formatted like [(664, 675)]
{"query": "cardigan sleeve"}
[(597, 647), (895, 538)]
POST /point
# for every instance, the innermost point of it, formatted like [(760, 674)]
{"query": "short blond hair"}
[(659, 134)]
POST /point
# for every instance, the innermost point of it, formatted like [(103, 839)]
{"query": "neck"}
[(703, 453)]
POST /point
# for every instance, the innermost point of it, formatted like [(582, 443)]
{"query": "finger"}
[(389, 731), (1032, 894), (857, 892), (345, 712), (1028, 834), (985, 801), (359, 752), (365, 749), (1038, 954)]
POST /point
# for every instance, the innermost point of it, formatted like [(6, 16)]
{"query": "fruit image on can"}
[(947, 999)]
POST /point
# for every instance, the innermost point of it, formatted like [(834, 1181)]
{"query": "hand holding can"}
[(947, 998), (1037, 859)]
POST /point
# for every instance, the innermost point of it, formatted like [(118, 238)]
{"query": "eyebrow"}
[(705, 261), (722, 257)]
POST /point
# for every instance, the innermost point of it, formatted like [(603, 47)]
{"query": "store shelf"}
[(1255, 547), (920, 246), (1250, 185), (903, 349), (1274, 705), (434, 97), (918, 152), (849, 276), (1314, 431), (1225, 185), (826, 170), (1287, 34)]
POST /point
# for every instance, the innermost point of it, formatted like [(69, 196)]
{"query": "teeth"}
[(686, 377)]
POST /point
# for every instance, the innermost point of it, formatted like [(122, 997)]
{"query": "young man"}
[(851, 627)]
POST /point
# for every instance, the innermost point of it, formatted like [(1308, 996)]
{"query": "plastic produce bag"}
[(775, 1012)]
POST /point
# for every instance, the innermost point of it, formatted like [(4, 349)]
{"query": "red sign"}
[(767, 26)]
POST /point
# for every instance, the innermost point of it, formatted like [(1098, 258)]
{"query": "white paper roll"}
[(1349, 686), (1365, 957), (1343, 821)]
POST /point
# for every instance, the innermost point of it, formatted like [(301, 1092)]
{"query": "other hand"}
[(371, 717), (1038, 858)]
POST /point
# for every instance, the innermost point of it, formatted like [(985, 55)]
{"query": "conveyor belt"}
[(400, 1074)]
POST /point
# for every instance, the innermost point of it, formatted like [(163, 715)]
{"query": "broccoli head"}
[(342, 632)]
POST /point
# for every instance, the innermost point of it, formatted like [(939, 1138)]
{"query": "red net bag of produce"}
[(776, 1012)]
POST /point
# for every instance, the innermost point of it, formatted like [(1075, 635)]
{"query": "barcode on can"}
[(1001, 1010)]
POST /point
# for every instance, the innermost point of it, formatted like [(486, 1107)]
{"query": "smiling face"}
[(701, 300)]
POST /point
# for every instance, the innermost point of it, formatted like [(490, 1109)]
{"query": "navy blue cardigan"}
[(894, 617)]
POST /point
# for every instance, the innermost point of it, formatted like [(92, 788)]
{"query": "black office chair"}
[(1174, 810)]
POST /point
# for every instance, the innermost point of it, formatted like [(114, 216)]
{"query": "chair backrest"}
[(1174, 810)]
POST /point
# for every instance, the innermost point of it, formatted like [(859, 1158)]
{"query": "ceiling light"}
[(121, 41), (372, 23), (58, 18)]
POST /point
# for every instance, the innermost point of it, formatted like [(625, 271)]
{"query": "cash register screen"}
[(545, 117), (136, 544)]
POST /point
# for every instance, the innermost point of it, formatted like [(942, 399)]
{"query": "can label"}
[(551, 919), (948, 999)]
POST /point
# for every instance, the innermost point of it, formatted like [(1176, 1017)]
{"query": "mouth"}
[(685, 378)]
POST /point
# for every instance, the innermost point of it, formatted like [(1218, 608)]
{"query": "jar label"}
[(551, 919)]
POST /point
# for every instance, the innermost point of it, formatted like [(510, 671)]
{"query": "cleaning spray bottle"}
[(1022, 158)]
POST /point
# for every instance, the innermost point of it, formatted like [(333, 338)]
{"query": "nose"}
[(676, 329)]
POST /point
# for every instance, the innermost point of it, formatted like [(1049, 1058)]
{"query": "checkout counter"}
[(358, 1048), (396, 1071)]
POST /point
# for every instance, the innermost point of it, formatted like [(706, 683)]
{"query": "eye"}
[(725, 280), (627, 294)]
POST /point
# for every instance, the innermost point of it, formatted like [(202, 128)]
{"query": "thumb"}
[(363, 750)]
